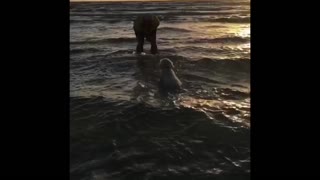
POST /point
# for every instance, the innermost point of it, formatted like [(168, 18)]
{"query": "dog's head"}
[(166, 63)]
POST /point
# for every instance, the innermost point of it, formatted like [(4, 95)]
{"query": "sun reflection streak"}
[(238, 112)]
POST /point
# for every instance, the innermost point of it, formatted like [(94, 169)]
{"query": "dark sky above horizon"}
[(119, 0)]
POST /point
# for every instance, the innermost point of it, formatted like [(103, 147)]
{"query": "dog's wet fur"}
[(169, 82)]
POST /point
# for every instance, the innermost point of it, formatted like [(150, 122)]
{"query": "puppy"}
[(169, 82)]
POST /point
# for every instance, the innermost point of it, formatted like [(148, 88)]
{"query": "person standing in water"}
[(145, 26)]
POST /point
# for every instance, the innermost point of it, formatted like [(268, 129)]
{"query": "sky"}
[(126, 0), (118, 0)]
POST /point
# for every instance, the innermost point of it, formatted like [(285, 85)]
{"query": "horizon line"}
[(130, 0)]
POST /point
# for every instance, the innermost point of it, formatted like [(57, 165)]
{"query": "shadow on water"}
[(142, 141)]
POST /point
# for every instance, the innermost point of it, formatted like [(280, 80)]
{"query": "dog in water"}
[(169, 82)]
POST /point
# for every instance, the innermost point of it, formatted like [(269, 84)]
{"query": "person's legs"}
[(140, 39), (153, 42)]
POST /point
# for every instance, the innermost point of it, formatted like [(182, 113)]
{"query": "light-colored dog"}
[(169, 82)]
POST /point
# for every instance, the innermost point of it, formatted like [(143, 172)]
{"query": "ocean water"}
[(122, 129)]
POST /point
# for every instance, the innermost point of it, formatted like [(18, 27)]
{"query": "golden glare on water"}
[(236, 111), (239, 30), (245, 32)]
